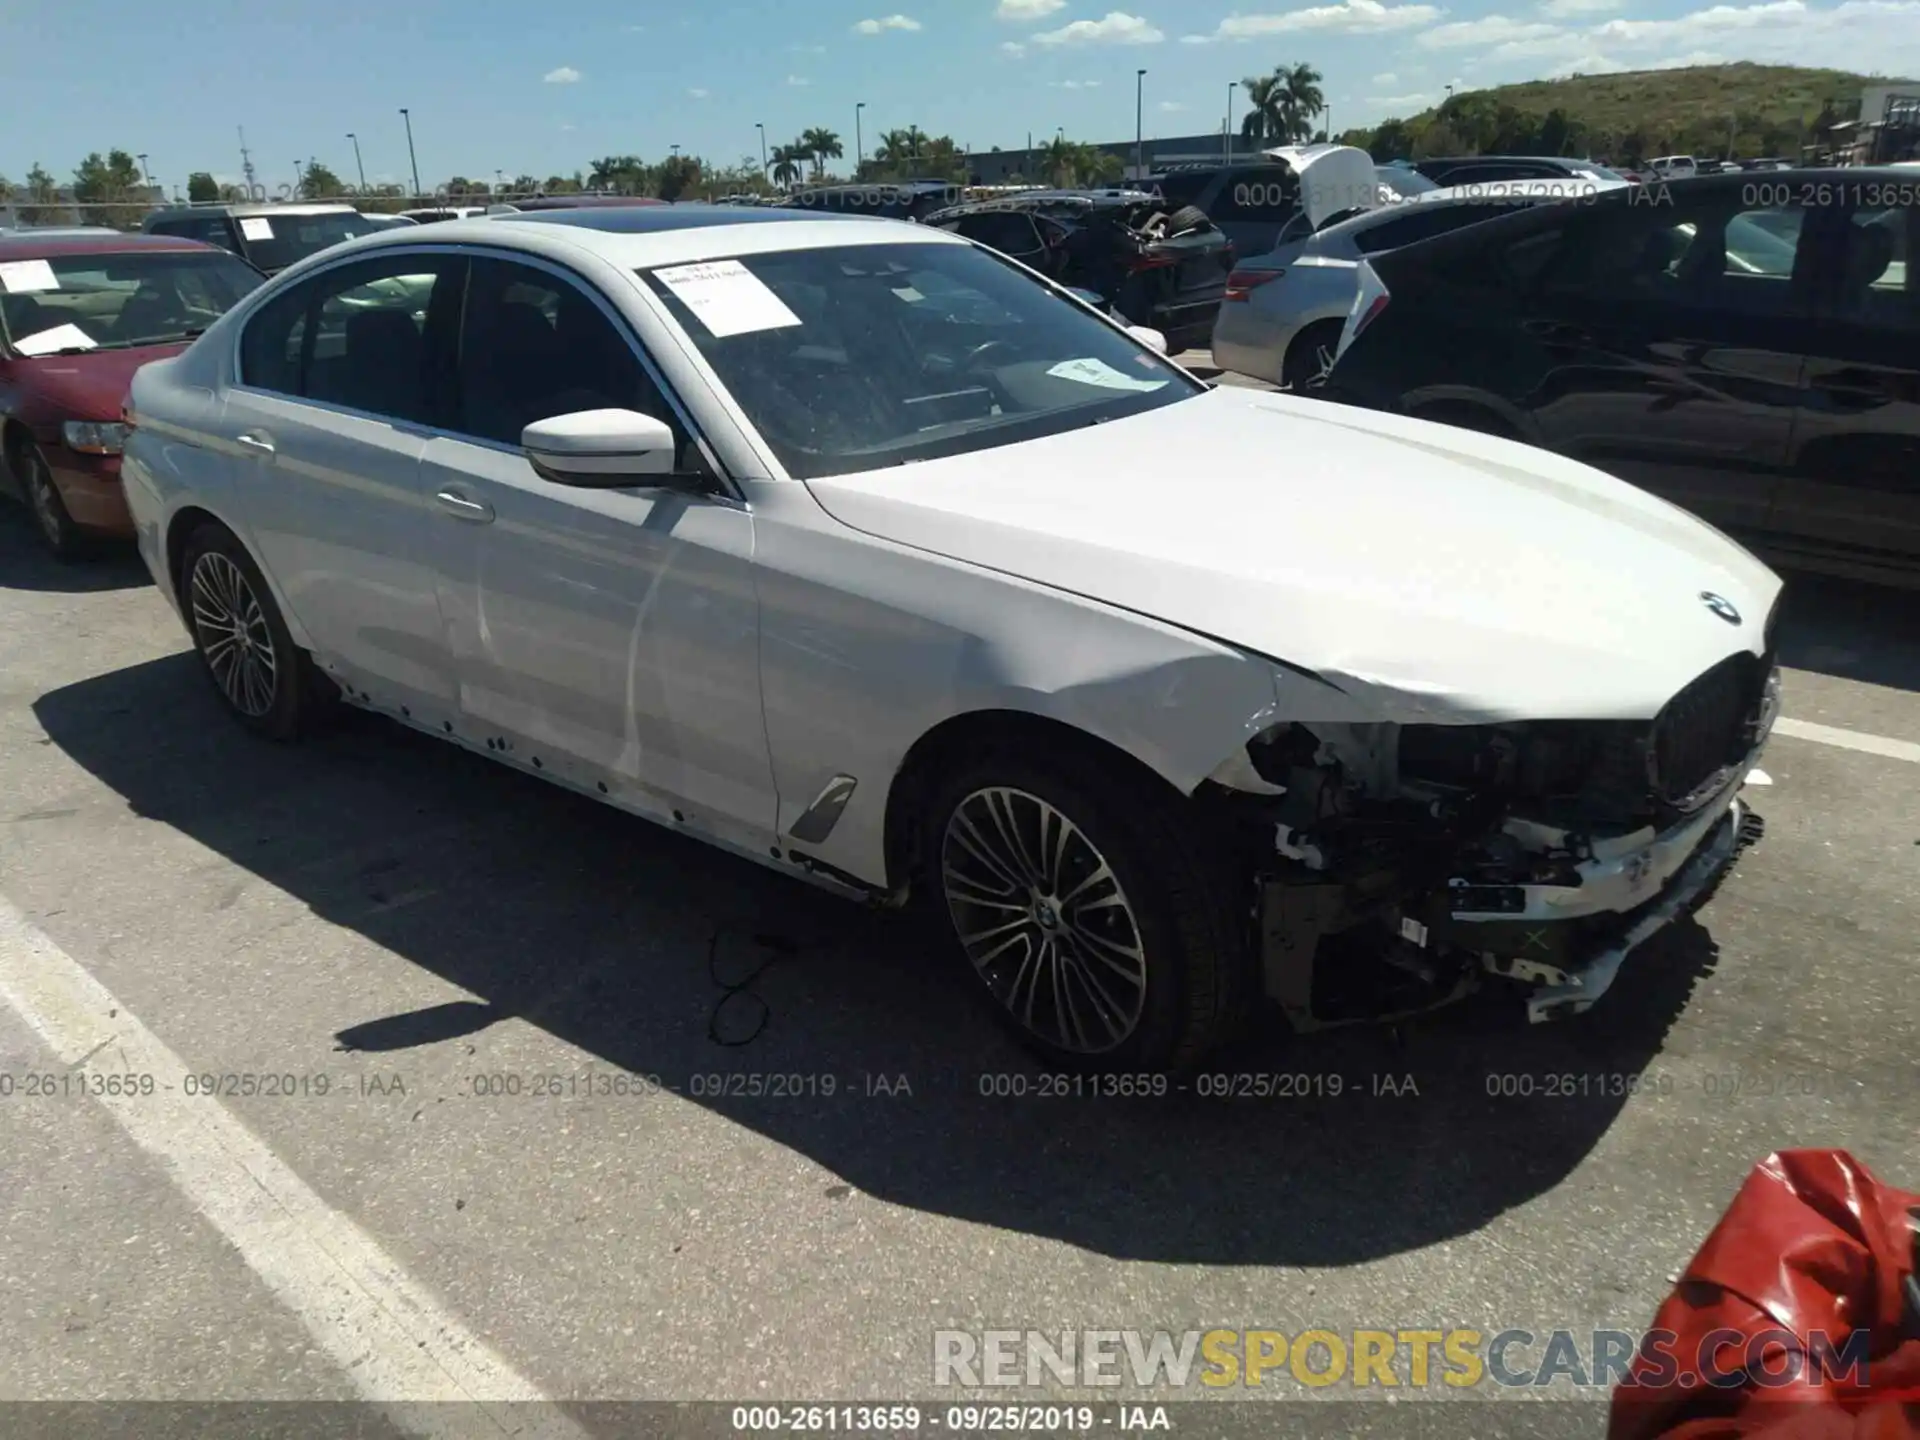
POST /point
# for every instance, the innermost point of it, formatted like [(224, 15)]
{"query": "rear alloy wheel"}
[(63, 539), (1092, 919), (265, 680), (1310, 357)]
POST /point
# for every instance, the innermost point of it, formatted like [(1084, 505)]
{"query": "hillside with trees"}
[(1744, 110)]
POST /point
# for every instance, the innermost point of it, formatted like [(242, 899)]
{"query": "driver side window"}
[(533, 346)]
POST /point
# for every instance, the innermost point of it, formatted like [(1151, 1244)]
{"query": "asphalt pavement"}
[(518, 1099)]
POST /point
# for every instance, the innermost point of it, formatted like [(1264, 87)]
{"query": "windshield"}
[(861, 356), (117, 301), (1404, 182), (276, 241)]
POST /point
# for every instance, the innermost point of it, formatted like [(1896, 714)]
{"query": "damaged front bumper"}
[(1572, 964), (1567, 941)]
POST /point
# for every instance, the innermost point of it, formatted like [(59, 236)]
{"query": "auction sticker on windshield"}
[(61, 337), (727, 298), (255, 227), (1098, 372), (24, 277)]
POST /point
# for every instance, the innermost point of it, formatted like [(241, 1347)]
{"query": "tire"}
[(266, 682), (1184, 219), (1160, 939), (1310, 356), (63, 539)]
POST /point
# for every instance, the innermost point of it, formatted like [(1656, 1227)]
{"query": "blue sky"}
[(544, 88)]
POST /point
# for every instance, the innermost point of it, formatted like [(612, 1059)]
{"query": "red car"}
[(78, 315)]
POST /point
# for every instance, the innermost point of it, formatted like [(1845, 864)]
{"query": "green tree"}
[(785, 163), (320, 183), (112, 189), (1391, 140), (562, 185), (676, 176), (202, 188), (1282, 105), (43, 205), (625, 174), (822, 145)]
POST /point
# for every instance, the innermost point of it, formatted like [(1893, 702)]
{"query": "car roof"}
[(1035, 199), (31, 247), (642, 237), (255, 207)]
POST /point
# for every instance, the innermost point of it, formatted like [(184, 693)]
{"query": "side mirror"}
[(1152, 339), (601, 449)]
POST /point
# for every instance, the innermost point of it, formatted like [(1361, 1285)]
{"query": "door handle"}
[(465, 507), (255, 440)]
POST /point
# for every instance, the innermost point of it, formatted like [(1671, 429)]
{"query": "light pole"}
[(859, 145), (1139, 89), (299, 181), (145, 174), (357, 162), (412, 160), (761, 127), (1227, 146)]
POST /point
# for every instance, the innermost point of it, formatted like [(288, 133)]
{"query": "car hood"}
[(92, 386), (1433, 574)]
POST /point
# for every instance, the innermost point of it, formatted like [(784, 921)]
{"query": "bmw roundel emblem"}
[(1721, 606)]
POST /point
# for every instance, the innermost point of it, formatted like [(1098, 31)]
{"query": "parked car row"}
[(1749, 350)]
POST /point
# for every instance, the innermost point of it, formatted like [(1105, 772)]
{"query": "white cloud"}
[(565, 75), (1024, 11), (886, 22), (1361, 16), (1170, 106), (1400, 104), (1770, 31), (1116, 27), (1013, 48), (798, 80), (1386, 78), (1076, 84), (1487, 30), (1569, 9), (697, 93)]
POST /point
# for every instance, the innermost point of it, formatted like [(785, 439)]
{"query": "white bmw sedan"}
[(859, 550)]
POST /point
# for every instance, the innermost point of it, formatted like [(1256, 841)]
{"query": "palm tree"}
[(823, 145), (1282, 105), (786, 163)]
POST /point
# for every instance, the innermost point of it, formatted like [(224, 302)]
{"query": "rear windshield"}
[(276, 241), (74, 303), (856, 357)]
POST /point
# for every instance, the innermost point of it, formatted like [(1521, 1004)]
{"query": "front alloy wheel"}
[(57, 530), (237, 642), (1045, 921)]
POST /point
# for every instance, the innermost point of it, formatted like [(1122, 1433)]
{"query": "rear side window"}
[(1421, 225), (272, 344), (1007, 233)]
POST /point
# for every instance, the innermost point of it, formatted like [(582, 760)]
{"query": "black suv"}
[(1745, 346), (1155, 263), (268, 236), (890, 199), (1450, 170)]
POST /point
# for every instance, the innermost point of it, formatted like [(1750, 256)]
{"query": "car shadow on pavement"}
[(1851, 630), (649, 951), (26, 565)]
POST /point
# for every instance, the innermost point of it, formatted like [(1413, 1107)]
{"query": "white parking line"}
[(398, 1345), (1849, 739)]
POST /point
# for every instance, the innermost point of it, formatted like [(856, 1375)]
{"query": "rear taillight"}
[(1242, 283), (1368, 315), (1151, 262)]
